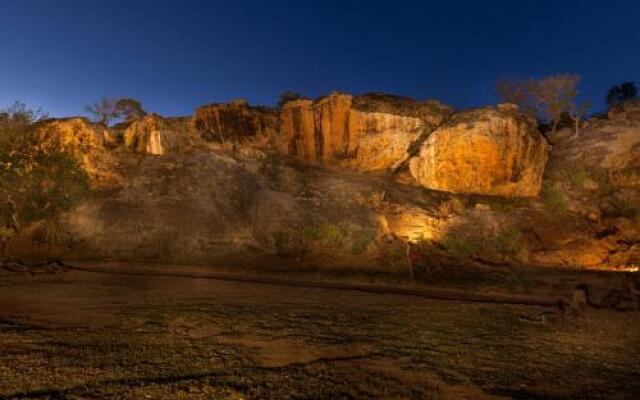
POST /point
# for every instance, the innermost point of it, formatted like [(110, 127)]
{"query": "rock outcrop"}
[(153, 134), (489, 151), (364, 133), (235, 121), (611, 142), (77, 133)]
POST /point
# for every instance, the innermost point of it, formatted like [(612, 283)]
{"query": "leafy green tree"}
[(621, 93), (38, 179)]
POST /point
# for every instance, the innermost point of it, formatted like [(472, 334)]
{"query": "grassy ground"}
[(79, 335)]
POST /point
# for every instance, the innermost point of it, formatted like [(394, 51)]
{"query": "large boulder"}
[(235, 121), (153, 134), (489, 151), (76, 133), (610, 142), (364, 133)]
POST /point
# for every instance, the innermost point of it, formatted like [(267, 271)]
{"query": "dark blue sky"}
[(176, 55)]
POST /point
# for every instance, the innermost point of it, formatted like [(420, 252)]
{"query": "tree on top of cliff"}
[(547, 98), (125, 109), (621, 93), (288, 96), (38, 180)]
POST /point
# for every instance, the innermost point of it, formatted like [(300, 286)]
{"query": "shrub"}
[(38, 180), (361, 241), (619, 207), (555, 198), (577, 176), (463, 247), (332, 235), (508, 242)]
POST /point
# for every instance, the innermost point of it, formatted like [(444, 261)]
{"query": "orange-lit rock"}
[(364, 133), (235, 121), (153, 134), (490, 151), (76, 132)]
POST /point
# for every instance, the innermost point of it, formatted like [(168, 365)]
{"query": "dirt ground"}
[(83, 335)]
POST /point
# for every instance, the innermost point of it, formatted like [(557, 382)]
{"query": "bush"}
[(577, 176), (38, 180), (555, 198), (508, 242), (332, 235), (361, 241), (619, 207)]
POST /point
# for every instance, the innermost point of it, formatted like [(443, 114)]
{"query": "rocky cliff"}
[(294, 188), (494, 151), (235, 121), (362, 133)]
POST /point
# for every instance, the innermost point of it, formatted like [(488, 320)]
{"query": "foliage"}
[(554, 198), (129, 109), (577, 176), (124, 109), (620, 207), (361, 241), (621, 93), (508, 242), (464, 247), (288, 96), (17, 119), (332, 235), (38, 179), (392, 253)]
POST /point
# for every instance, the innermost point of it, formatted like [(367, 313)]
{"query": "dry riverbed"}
[(82, 335)]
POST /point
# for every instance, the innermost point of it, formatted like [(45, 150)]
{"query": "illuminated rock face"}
[(78, 133), (364, 133), (153, 134), (611, 143), (235, 121), (489, 151)]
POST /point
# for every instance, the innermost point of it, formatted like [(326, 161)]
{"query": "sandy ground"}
[(80, 335)]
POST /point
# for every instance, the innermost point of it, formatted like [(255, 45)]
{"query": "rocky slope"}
[(236, 185)]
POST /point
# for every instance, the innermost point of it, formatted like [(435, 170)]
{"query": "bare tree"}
[(104, 110), (548, 98)]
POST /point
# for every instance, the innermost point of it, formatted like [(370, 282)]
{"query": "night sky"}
[(176, 55)]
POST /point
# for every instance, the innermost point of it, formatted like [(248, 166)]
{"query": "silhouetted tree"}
[(620, 93), (129, 109), (107, 109), (289, 96), (104, 110)]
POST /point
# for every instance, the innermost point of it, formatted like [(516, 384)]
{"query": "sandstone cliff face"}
[(364, 133), (153, 134), (491, 151), (611, 142), (228, 202), (235, 121), (78, 133)]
